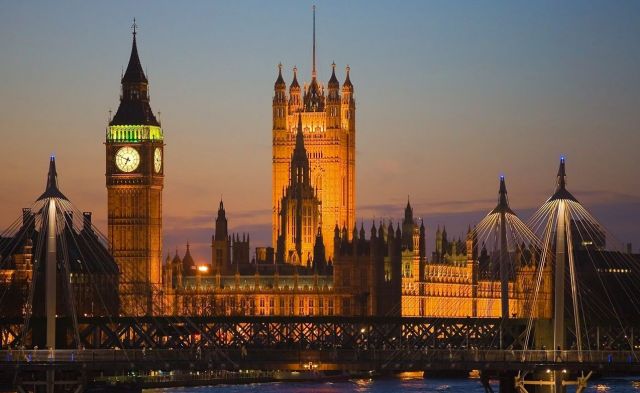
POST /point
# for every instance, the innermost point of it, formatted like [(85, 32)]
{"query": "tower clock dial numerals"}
[(157, 160), (127, 159)]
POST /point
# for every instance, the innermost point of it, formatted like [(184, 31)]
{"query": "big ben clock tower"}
[(134, 177)]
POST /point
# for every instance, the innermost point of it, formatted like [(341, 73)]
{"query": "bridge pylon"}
[(557, 217)]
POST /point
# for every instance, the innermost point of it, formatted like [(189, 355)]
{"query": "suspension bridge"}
[(591, 328)]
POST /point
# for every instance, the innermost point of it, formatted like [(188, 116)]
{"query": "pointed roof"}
[(134, 108), (52, 191), (408, 210), (333, 81), (176, 258), (187, 261), (294, 82), (280, 81), (347, 81), (134, 72), (299, 156), (503, 202), (561, 184)]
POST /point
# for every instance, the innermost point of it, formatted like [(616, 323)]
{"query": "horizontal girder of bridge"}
[(320, 333), (114, 362), (272, 332)]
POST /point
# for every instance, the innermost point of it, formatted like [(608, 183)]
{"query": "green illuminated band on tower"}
[(131, 133)]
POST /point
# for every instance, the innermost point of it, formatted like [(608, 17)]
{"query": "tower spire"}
[(313, 72), (562, 175), (503, 202), (561, 184), (52, 190)]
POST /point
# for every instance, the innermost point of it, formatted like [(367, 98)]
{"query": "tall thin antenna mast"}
[(313, 72)]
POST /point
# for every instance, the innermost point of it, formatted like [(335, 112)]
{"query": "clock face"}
[(157, 160), (127, 159)]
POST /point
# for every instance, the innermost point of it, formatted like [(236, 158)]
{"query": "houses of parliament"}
[(322, 262)]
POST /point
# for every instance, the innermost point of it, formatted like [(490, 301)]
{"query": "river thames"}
[(617, 385)]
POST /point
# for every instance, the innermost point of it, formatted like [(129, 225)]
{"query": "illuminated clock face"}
[(157, 160), (127, 159)]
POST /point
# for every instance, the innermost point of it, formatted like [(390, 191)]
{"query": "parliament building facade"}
[(321, 263)]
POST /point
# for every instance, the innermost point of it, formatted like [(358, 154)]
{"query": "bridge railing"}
[(231, 357)]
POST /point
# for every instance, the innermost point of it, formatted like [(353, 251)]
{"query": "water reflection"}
[(406, 384)]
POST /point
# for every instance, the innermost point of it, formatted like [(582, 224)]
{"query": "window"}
[(311, 307), (330, 307), (301, 306), (321, 306), (271, 305), (291, 306)]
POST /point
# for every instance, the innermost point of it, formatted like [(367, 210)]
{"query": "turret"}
[(333, 100), (319, 257), (295, 98), (422, 247), (348, 106), (221, 224), (407, 227), (438, 242), (300, 172), (280, 102), (188, 265)]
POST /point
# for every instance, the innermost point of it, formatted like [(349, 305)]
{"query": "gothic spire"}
[(299, 160), (280, 81), (294, 82), (134, 72), (347, 81), (333, 81), (313, 72), (134, 106)]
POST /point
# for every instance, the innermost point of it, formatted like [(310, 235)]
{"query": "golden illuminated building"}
[(328, 127), (134, 179), (322, 265)]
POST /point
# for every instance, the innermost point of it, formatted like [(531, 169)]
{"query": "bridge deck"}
[(115, 361)]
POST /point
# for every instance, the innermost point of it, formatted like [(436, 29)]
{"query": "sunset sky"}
[(449, 96)]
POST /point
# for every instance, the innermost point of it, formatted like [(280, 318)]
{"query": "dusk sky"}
[(449, 96)]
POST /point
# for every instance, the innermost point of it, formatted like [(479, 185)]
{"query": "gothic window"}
[(311, 306), (330, 311), (301, 306)]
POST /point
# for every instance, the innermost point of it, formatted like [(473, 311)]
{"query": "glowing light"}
[(134, 133), (203, 268)]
